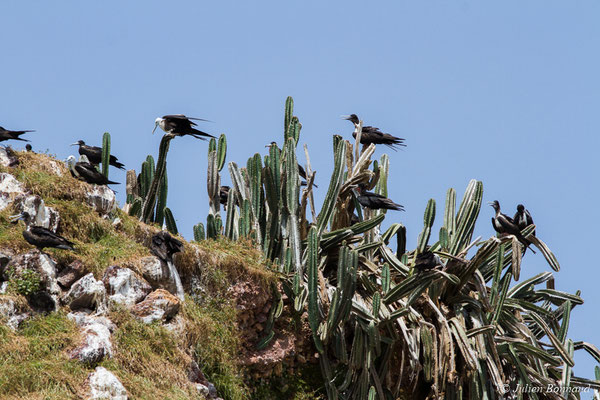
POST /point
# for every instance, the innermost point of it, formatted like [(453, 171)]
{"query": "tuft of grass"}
[(34, 361), (149, 360)]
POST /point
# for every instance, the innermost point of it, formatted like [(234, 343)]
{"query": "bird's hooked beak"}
[(74, 144), (15, 218), (346, 117), (156, 122)]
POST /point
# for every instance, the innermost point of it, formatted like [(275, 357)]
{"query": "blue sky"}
[(507, 93)]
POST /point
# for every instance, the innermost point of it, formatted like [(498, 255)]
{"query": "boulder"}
[(10, 313), (67, 277), (95, 344), (88, 293), (103, 384), (102, 198), (85, 317), (124, 286), (159, 305), (7, 157), (10, 188), (47, 297), (41, 215)]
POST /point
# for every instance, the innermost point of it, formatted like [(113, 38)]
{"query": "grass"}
[(151, 361)]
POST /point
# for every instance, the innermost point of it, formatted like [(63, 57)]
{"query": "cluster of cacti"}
[(147, 192), (455, 331)]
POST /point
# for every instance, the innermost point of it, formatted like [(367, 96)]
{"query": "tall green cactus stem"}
[(146, 176), (287, 119), (428, 219), (170, 222), (132, 188), (292, 189), (221, 152), (313, 286), (105, 153), (230, 220), (339, 146), (213, 182), (161, 204), (254, 168), (199, 233), (150, 200)]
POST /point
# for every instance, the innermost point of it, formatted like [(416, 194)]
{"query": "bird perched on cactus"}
[(503, 224), (523, 218), (39, 236), (371, 134), (6, 134), (426, 261), (180, 125), (86, 172), (94, 154), (374, 201)]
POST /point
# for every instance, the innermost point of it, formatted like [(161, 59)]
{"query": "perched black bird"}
[(522, 218), (164, 246), (504, 224), (5, 134), (88, 173), (41, 237), (28, 147), (371, 134), (426, 261), (94, 154), (375, 201), (180, 125), (223, 194)]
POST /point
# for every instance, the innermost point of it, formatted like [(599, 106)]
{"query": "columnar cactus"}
[(105, 153)]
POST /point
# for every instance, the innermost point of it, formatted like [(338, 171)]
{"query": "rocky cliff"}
[(109, 319)]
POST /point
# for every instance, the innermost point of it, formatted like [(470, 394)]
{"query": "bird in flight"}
[(180, 125), (371, 134), (375, 201), (5, 134), (41, 237), (503, 224), (94, 154)]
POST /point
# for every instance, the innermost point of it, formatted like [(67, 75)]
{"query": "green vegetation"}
[(25, 283)]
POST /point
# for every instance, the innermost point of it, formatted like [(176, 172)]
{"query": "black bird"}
[(164, 246), (41, 237), (523, 218), (426, 261), (375, 201), (180, 125), (371, 134), (223, 194), (88, 173), (504, 224), (5, 134), (28, 147), (94, 154)]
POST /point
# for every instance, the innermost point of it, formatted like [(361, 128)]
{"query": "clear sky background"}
[(507, 93)]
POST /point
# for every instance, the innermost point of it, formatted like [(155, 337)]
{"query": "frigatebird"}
[(223, 194), (28, 147), (371, 134), (523, 218), (41, 237), (87, 172), (426, 261), (503, 224), (374, 201), (5, 134), (94, 154), (180, 125), (164, 246)]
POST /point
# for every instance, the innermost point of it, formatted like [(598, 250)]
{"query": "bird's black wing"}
[(50, 238)]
